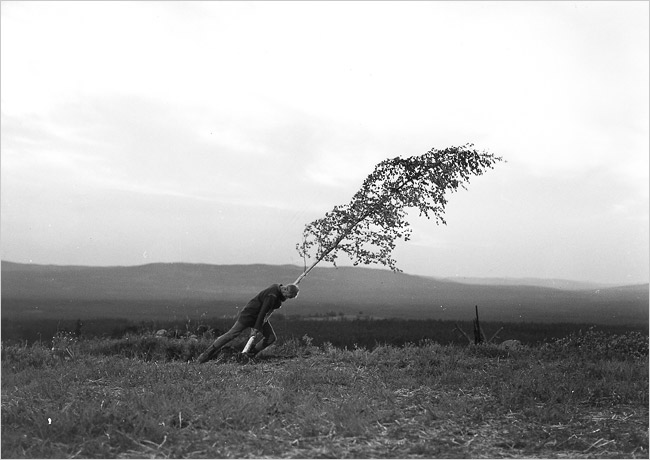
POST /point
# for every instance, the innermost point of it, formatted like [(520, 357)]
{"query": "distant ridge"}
[(564, 284), (184, 289), (554, 283)]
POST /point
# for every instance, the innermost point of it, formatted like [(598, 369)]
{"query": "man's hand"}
[(255, 332)]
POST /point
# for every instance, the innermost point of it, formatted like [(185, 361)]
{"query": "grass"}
[(144, 397)]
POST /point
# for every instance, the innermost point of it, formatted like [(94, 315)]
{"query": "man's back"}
[(250, 312)]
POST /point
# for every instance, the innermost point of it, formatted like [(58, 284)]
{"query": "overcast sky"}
[(212, 132)]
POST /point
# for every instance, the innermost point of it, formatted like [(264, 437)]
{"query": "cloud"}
[(250, 119)]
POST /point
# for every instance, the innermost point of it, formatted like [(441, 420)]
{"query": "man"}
[(255, 315)]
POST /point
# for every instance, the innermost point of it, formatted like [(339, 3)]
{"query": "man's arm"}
[(266, 307)]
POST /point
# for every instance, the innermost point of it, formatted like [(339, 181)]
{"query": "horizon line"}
[(454, 278)]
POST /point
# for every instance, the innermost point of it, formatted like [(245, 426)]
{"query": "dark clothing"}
[(255, 315), (268, 337), (257, 309)]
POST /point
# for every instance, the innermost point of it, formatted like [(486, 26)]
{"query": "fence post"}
[(478, 333)]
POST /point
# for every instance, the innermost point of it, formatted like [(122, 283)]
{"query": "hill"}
[(555, 283), (177, 290)]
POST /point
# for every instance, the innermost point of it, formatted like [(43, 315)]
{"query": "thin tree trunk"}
[(331, 248)]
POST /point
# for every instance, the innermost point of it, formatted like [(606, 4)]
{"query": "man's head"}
[(289, 291)]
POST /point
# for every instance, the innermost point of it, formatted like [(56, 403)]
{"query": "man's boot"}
[(207, 355)]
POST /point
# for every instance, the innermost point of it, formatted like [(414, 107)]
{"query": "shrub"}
[(20, 357), (149, 348), (598, 344), (65, 345), (296, 347)]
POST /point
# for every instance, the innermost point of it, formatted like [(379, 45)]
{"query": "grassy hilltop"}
[(336, 385), (142, 396)]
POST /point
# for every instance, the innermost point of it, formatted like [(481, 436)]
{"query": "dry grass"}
[(306, 402)]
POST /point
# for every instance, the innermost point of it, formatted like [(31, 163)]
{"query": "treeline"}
[(360, 331)]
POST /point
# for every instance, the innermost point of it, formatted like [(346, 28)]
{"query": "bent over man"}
[(255, 315)]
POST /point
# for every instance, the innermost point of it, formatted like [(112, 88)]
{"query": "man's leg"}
[(269, 338), (213, 350)]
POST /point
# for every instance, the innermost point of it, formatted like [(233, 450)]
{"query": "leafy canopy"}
[(367, 228)]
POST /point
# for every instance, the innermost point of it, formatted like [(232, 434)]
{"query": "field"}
[(142, 396)]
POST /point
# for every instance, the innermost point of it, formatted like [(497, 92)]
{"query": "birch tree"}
[(368, 227)]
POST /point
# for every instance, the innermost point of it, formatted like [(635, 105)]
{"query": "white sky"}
[(212, 132)]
